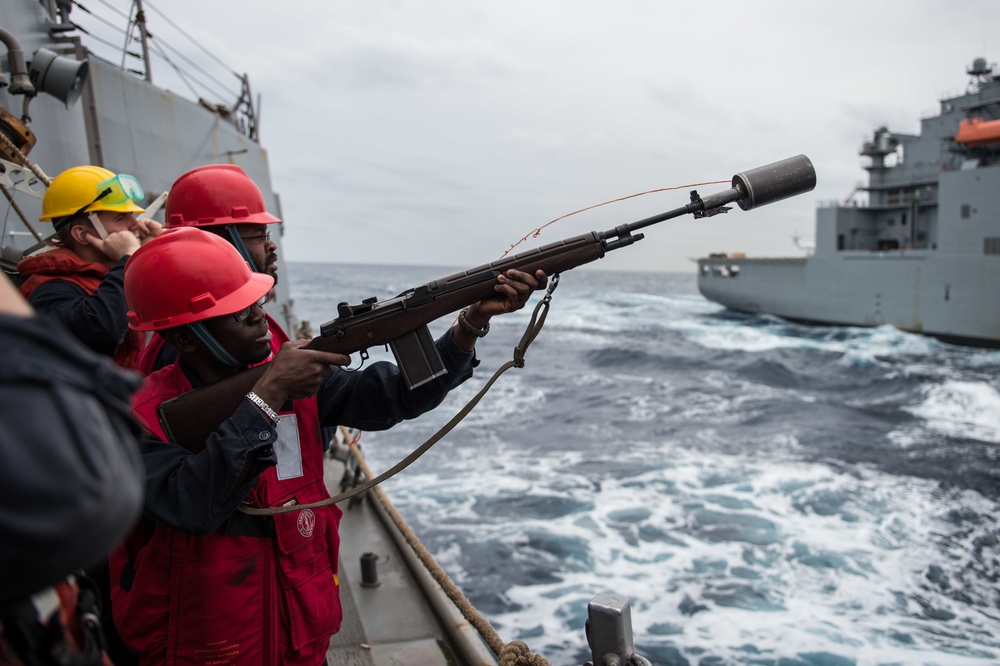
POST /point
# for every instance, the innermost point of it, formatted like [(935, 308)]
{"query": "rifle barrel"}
[(190, 418)]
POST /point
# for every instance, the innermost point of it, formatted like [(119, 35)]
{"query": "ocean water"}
[(761, 492)]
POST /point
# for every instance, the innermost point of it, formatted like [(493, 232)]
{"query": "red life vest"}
[(64, 264), (236, 599)]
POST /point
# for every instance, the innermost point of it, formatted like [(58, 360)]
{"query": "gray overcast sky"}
[(440, 132)]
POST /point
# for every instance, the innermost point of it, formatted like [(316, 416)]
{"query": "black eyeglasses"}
[(266, 237), (242, 315)]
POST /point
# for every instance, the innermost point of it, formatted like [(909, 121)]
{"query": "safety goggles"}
[(242, 315), (118, 190)]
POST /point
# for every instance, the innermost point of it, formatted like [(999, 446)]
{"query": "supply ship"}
[(921, 253)]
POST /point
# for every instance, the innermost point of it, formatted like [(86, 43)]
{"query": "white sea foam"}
[(795, 555), (961, 409), (858, 345), (663, 449)]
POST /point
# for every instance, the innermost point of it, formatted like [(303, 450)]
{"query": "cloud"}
[(430, 132)]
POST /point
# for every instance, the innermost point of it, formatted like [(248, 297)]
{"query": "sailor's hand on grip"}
[(296, 372), (514, 289)]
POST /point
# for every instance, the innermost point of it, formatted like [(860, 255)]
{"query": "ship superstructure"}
[(922, 254), (117, 118)]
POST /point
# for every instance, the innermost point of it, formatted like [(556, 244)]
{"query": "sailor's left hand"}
[(147, 229), (513, 288)]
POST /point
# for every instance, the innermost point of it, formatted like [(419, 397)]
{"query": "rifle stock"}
[(190, 418)]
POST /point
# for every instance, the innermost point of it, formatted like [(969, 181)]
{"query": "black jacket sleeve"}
[(196, 493), (376, 397), (100, 320), (71, 482)]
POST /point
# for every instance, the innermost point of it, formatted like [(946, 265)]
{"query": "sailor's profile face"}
[(114, 221), (263, 250), (247, 340)]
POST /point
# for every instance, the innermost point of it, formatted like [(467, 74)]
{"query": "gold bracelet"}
[(469, 328)]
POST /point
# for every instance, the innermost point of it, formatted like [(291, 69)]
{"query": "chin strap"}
[(237, 241), (214, 345), (98, 226)]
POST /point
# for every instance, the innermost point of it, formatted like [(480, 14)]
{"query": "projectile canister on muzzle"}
[(774, 182)]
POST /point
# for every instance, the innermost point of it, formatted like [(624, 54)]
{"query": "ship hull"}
[(911, 291), (922, 254)]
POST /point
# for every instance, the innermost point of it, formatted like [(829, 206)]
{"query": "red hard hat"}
[(214, 195), (187, 275)]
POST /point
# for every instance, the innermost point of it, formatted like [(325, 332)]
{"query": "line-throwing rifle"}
[(401, 322)]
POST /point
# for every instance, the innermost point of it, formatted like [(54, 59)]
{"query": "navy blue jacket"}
[(191, 492), (100, 319), (71, 482)]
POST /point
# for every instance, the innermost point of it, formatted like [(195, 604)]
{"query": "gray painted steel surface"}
[(127, 124), (923, 254)]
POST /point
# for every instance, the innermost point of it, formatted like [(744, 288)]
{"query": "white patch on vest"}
[(306, 522), (287, 448)]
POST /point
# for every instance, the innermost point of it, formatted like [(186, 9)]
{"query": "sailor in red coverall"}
[(206, 582)]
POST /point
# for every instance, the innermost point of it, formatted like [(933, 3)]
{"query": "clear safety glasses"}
[(264, 236), (242, 315)]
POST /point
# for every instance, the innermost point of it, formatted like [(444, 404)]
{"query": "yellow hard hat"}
[(86, 189)]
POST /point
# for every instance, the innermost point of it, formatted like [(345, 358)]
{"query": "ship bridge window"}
[(966, 211), (722, 270), (991, 245)]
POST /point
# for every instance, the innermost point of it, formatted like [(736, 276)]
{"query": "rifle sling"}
[(531, 332)]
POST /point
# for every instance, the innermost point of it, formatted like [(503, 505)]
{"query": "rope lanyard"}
[(534, 327)]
